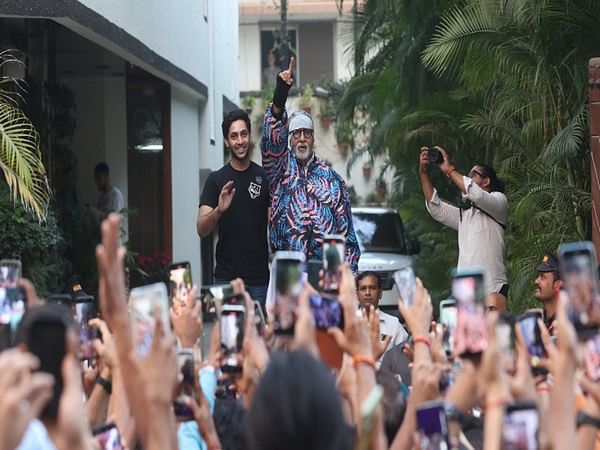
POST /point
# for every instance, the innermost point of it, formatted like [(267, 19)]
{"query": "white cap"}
[(300, 120)]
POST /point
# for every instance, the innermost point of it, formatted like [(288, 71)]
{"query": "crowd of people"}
[(345, 375)]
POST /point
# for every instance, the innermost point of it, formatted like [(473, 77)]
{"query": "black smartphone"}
[(334, 249), (84, 312), (520, 428), (327, 311), (12, 297), (288, 285), (233, 318), (471, 329), (505, 337), (180, 281), (448, 317), (46, 338), (530, 329), (578, 269), (211, 297), (108, 438), (185, 389), (432, 426)]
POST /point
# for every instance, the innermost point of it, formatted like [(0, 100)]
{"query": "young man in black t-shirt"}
[(236, 199)]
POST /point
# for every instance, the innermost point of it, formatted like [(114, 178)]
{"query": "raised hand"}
[(379, 346), (288, 75), (226, 197)]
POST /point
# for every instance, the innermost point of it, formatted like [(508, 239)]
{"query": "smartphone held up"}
[(471, 330), (147, 305), (288, 286), (233, 321)]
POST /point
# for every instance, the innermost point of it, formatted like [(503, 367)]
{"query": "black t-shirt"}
[(242, 248)]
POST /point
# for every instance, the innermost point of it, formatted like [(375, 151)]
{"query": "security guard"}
[(547, 287)]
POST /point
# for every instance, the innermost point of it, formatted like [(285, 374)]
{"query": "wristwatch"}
[(106, 384), (586, 419)]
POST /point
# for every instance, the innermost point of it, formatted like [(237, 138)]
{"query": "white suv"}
[(384, 248)]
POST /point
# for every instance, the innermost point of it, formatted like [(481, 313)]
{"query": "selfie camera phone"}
[(147, 305), (327, 312), (186, 388), (180, 281), (12, 298), (532, 335), (406, 283), (471, 330), (432, 426), (233, 318), (288, 285), (448, 318), (211, 297), (334, 249), (578, 270), (520, 428), (84, 312), (108, 438)]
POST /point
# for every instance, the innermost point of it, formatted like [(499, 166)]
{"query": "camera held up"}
[(434, 156)]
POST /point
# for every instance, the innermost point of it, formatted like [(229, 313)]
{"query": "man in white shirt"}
[(368, 286), (110, 198), (480, 220)]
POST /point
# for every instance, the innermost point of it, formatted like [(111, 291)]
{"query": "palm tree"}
[(20, 156)]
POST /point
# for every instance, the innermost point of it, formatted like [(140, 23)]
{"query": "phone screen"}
[(47, 341), (211, 296), (148, 304), (432, 426), (108, 437), (288, 285), (592, 358), (185, 389), (180, 281), (12, 299), (471, 329), (406, 283), (520, 430), (334, 250), (580, 278), (232, 335), (505, 337), (84, 312), (327, 312), (448, 318), (530, 329)]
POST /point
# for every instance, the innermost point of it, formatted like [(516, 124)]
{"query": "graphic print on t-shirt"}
[(254, 190)]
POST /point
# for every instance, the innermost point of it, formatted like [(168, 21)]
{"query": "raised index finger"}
[(292, 67)]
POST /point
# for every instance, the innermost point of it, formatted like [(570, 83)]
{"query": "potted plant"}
[(327, 114), (248, 103), (344, 136), (305, 100)]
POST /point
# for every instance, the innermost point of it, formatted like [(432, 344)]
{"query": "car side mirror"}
[(414, 247)]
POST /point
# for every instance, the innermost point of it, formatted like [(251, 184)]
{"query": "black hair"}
[(394, 403), (230, 417), (101, 169), (496, 184), (369, 273), (232, 116), (296, 406)]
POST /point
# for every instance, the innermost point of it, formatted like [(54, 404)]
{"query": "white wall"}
[(176, 30), (185, 160), (250, 70)]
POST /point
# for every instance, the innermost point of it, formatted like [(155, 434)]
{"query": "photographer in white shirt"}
[(480, 220)]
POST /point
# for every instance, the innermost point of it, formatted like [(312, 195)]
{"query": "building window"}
[(271, 63)]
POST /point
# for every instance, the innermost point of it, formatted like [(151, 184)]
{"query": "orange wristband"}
[(452, 169), (423, 340), (498, 403), (357, 359)]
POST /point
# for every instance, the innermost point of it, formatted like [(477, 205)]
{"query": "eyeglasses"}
[(307, 133), (474, 172)]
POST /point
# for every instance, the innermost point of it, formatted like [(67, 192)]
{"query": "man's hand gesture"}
[(288, 75), (226, 197)]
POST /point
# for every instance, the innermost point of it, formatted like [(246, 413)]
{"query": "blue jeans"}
[(257, 292)]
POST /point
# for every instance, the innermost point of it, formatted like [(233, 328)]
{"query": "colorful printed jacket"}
[(307, 203)]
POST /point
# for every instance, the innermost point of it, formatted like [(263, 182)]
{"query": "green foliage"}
[(492, 81), (38, 244)]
